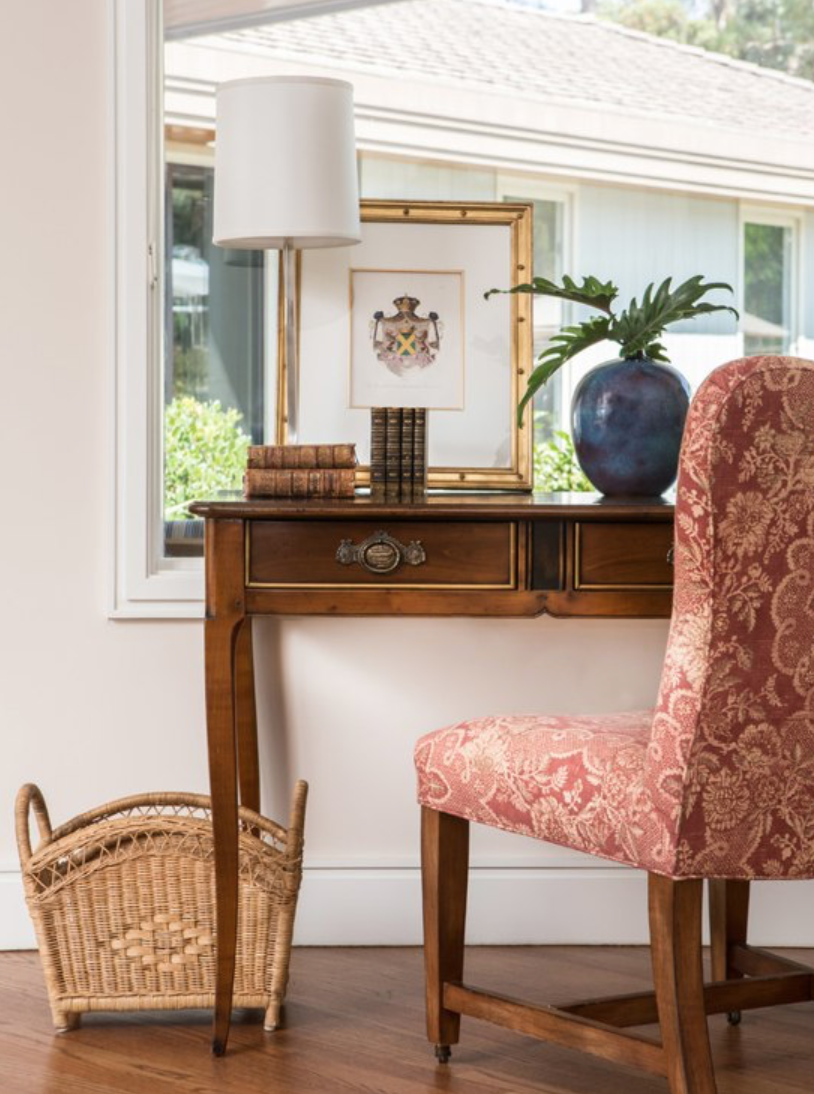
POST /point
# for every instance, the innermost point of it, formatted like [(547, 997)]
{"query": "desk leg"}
[(248, 765), (224, 616)]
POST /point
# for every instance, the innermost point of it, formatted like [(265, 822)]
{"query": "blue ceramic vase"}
[(627, 418)]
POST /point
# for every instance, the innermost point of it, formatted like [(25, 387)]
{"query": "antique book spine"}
[(278, 457), (420, 450), (261, 482), (392, 478), (378, 450), (407, 428)]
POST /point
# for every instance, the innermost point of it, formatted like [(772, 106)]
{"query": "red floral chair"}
[(716, 782)]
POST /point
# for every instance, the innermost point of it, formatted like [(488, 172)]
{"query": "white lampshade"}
[(285, 164)]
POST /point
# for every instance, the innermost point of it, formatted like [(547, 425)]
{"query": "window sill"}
[(174, 591)]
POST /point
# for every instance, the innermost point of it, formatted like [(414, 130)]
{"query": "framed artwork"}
[(407, 338), (401, 320)]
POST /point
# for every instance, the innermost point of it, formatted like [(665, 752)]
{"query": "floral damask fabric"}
[(718, 780), (576, 781)]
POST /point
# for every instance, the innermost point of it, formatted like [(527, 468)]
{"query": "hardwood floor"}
[(355, 1022)]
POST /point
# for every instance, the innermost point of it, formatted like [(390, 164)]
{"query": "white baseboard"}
[(383, 907), (532, 906)]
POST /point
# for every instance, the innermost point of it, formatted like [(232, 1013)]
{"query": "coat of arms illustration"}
[(406, 340)]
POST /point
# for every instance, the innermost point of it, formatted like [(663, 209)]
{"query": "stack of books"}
[(398, 452), (300, 471)]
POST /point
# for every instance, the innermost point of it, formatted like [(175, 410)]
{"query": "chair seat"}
[(577, 781)]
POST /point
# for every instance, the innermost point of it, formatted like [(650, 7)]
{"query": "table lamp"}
[(285, 179)]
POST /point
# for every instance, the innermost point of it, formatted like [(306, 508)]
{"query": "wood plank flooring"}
[(355, 1022)]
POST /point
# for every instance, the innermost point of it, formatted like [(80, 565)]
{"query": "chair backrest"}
[(730, 765)]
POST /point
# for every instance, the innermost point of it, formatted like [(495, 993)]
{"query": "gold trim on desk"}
[(372, 585), (617, 587)]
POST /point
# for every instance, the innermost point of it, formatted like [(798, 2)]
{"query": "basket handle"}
[(296, 820), (29, 799)]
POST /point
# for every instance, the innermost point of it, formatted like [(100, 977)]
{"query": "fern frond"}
[(592, 292), (640, 325)]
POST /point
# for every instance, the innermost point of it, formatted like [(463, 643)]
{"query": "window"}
[(197, 327), (767, 318), (214, 361), (550, 215)]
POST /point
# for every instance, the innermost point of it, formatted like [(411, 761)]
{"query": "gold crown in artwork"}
[(406, 303)]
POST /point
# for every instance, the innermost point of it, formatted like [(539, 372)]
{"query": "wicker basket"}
[(123, 903)]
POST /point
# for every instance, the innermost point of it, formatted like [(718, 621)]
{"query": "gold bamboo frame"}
[(517, 216)]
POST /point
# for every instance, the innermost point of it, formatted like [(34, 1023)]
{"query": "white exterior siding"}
[(634, 236), (400, 179)]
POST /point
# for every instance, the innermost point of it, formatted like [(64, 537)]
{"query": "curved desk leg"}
[(224, 615), (248, 765)]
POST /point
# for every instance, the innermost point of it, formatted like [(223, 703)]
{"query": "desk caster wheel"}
[(734, 1017), (443, 1053)]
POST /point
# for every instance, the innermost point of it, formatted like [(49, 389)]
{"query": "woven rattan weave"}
[(123, 904)]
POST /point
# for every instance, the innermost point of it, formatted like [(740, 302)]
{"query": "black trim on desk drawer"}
[(547, 554)]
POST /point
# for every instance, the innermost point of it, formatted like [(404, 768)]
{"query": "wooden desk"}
[(478, 555)]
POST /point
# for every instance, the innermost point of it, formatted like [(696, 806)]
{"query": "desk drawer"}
[(622, 556), (391, 554)]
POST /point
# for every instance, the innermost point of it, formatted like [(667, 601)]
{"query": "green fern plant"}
[(637, 329)]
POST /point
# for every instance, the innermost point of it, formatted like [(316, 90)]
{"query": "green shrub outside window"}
[(204, 452)]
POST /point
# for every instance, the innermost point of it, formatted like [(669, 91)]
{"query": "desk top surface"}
[(450, 505)]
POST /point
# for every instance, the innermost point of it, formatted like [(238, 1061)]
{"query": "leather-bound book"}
[(378, 450), (407, 427), (393, 452), (277, 457), (261, 482), (420, 450)]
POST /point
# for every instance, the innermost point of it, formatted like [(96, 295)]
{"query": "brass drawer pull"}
[(381, 553), (671, 556)]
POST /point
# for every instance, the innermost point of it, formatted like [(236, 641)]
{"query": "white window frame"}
[(775, 218), (540, 189), (195, 158), (145, 583)]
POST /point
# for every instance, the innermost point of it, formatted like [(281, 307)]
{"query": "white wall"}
[(89, 709), (92, 709)]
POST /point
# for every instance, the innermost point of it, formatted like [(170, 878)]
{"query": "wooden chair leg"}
[(444, 876), (728, 923), (675, 945)]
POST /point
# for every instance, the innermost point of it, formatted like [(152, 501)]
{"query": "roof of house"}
[(546, 56)]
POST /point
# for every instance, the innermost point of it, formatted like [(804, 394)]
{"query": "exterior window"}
[(213, 356), (549, 315), (767, 320)]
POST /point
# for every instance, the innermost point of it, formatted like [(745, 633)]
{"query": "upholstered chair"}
[(716, 782)]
